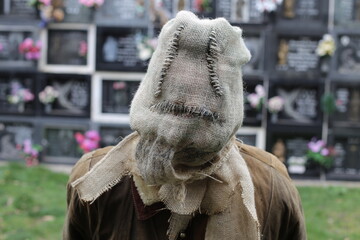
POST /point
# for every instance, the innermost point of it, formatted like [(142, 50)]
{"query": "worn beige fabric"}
[(186, 113), (190, 103)]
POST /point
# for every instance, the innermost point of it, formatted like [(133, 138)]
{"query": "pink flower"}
[(88, 145), (254, 100), (93, 135), (119, 85), (259, 89), (83, 48), (99, 2), (79, 137), (45, 2)]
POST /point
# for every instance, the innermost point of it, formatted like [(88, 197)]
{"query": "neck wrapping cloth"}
[(227, 195)]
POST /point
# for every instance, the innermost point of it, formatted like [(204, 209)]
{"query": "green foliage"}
[(319, 159), (328, 103)]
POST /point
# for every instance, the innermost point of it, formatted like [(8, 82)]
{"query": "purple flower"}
[(316, 146), (325, 152)]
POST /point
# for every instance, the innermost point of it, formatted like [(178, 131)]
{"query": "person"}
[(182, 174)]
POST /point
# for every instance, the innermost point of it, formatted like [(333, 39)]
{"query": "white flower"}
[(275, 104), (326, 46)]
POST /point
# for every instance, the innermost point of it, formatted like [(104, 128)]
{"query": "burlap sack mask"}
[(190, 102)]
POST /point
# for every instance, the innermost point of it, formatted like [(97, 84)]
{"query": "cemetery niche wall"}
[(89, 65)]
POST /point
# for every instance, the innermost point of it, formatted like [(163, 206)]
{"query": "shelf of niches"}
[(293, 18)]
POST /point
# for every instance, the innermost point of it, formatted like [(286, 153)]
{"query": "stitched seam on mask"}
[(211, 58), (180, 109), (171, 53)]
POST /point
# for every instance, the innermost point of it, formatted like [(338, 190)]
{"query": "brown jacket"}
[(119, 213)]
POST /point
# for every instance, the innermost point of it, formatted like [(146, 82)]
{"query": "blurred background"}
[(69, 70)]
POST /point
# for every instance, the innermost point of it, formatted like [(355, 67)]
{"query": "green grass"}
[(33, 206), (32, 203), (332, 213)]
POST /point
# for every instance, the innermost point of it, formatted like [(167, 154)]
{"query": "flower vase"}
[(48, 108), (325, 65), (274, 117), (322, 174), (21, 107)]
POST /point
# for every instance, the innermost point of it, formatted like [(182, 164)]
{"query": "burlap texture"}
[(190, 102)]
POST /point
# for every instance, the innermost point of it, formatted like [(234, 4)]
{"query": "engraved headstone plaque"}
[(76, 12), (256, 46), (68, 147), (300, 105), (347, 101), (244, 11), (122, 12), (111, 136), (119, 49), (348, 54), (249, 139), (296, 155), (297, 54), (10, 56), (117, 95), (347, 154), (64, 47), (18, 8), (347, 13), (13, 135), (17, 94), (301, 9), (73, 96)]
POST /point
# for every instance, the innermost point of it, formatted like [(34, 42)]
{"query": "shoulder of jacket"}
[(87, 161), (259, 156)]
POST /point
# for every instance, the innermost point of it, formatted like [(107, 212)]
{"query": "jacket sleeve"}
[(77, 224), (285, 211)]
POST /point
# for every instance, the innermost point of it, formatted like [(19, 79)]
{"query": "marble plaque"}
[(117, 95), (73, 96), (347, 100), (11, 136), (244, 11), (11, 91), (300, 105), (111, 136), (119, 50), (64, 135), (120, 12), (348, 54), (297, 54), (64, 47)]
